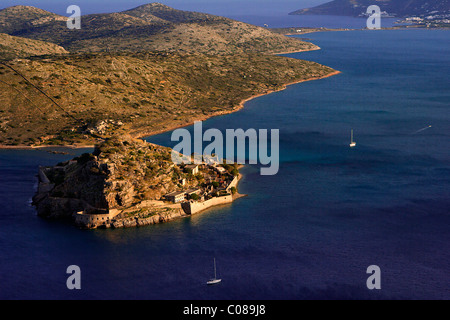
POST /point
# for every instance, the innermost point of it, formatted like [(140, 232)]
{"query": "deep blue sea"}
[(309, 232)]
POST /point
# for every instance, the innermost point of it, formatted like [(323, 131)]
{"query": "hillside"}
[(99, 94), (151, 27), (17, 18), (398, 8)]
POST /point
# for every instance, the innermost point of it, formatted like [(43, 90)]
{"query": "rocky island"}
[(128, 182)]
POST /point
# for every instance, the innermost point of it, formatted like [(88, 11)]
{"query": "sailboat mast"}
[(215, 274), (352, 137)]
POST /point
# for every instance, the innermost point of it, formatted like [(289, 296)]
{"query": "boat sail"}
[(352, 143), (215, 280)]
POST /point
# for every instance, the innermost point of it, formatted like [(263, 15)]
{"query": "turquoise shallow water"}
[(309, 232)]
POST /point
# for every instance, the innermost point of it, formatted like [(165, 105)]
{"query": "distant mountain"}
[(150, 27), (398, 8), (139, 71)]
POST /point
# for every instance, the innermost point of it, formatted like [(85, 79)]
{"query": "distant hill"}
[(398, 8), (151, 27), (146, 92)]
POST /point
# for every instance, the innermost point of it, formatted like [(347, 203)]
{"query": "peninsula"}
[(99, 81)]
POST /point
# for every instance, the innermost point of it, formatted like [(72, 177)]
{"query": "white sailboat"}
[(352, 143), (215, 280)]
